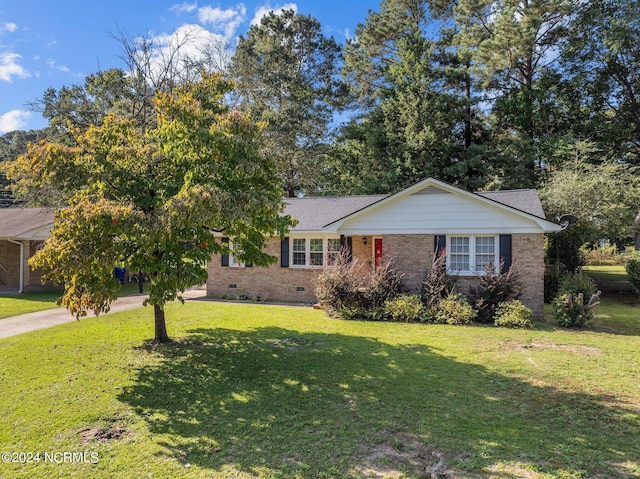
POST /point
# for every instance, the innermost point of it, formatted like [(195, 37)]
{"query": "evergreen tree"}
[(287, 75)]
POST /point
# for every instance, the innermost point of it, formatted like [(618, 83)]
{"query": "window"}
[(485, 252), (459, 257), (333, 250), (308, 252), (299, 252), (316, 255), (470, 254), (233, 260)]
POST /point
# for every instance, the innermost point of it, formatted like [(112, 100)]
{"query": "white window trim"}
[(234, 262), (307, 254), (472, 255)]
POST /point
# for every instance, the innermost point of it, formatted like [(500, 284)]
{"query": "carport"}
[(22, 231)]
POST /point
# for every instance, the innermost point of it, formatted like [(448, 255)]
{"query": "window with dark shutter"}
[(505, 253), (284, 253), (439, 244), (346, 243), (225, 257)]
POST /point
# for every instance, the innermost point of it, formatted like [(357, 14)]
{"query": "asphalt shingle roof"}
[(313, 213), (523, 200), (15, 222)]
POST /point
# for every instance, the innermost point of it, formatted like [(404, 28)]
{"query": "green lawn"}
[(610, 278), (254, 391), (30, 302)]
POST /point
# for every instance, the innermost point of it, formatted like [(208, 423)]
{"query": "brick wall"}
[(10, 259), (410, 254), (272, 283), (413, 254)]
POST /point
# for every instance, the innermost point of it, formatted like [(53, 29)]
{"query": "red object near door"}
[(377, 251)]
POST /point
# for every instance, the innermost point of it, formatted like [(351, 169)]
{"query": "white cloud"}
[(264, 10), (195, 44), (179, 8), (9, 67), (13, 120), (226, 21), (9, 27), (55, 66)]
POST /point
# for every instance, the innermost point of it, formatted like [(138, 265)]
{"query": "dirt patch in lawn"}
[(101, 434), (559, 347), (402, 456)]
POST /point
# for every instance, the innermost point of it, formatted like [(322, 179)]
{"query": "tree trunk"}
[(161, 327)]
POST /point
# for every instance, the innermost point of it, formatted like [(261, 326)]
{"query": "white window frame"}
[(234, 262), (472, 255), (307, 252)]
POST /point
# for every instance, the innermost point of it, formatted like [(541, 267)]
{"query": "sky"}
[(48, 43)]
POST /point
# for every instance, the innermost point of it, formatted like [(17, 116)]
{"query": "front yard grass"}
[(250, 391)]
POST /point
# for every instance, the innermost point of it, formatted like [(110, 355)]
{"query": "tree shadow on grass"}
[(282, 403)]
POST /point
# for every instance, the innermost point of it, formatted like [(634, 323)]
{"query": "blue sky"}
[(50, 43)]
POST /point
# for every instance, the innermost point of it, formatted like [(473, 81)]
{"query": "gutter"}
[(21, 263)]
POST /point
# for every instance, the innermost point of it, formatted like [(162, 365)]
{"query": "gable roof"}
[(26, 223), (526, 209)]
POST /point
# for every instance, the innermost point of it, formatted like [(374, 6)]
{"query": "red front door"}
[(377, 251)]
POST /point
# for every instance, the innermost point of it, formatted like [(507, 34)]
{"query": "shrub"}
[(576, 283), (406, 308), (338, 288), (455, 309), (603, 254), (574, 305), (633, 270), (495, 288), (380, 284), (569, 309), (513, 314), (436, 285), (346, 291)]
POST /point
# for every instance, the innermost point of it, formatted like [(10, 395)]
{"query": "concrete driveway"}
[(25, 323)]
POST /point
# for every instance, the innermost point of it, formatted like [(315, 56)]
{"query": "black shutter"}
[(284, 253), (225, 257), (346, 243), (439, 244), (505, 253)]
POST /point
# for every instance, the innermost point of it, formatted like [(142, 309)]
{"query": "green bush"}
[(495, 288), (633, 270), (573, 308), (569, 311), (576, 283), (455, 309), (407, 308), (603, 254), (513, 314)]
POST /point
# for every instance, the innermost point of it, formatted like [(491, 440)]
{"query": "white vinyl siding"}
[(441, 213)]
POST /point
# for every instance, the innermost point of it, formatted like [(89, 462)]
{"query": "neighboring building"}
[(22, 231), (405, 229)]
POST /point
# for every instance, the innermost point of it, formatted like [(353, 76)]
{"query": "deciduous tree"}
[(153, 198)]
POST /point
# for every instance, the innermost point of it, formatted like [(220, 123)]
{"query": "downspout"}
[(21, 263)]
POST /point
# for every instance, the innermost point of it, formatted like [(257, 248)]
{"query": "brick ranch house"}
[(22, 231), (405, 229)]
